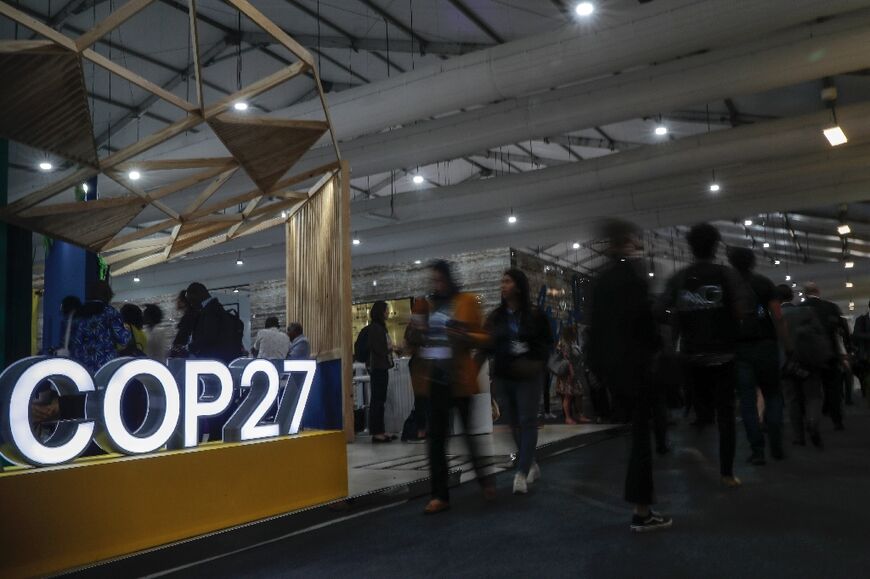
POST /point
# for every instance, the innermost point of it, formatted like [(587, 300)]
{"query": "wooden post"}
[(346, 301)]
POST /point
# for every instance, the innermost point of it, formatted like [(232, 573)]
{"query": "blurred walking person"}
[(447, 336), (761, 332), (571, 382), (623, 340), (379, 364), (707, 301), (520, 342), (157, 337), (98, 330)]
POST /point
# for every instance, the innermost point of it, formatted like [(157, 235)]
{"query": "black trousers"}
[(714, 389), (379, 381), (441, 400), (546, 385), (832, 385), (631, 388)]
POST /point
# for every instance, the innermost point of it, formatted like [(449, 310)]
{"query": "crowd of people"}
[(720, 341)]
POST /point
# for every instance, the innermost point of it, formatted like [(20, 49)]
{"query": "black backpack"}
[(232, 334), (811, 344), (361, 349)]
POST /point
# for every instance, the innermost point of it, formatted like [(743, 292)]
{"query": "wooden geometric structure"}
[(48, 110)]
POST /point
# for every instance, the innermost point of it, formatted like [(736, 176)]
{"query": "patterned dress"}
[(572, 383), (97, 332)]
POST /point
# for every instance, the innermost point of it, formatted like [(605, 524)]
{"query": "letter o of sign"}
[(162, 414)]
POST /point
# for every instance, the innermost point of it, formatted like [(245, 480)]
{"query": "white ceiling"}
[(546, 115)]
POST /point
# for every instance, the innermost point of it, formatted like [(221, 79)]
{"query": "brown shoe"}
[(436, 506), (731, 482)]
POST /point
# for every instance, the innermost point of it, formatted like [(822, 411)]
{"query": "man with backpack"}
[(218, 333), (761, 327), (836, 329), (807, 352), (705, 301)]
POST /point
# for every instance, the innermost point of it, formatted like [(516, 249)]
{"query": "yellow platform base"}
[(58, 518)]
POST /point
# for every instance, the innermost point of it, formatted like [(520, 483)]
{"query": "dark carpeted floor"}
[(804, 517)]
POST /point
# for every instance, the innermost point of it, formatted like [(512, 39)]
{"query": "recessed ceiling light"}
[(584, 9), (844, 229), (241, 106), (849, 264), (652, 274), (356, 241), (418, 179), (512, 219), (136, 280), (236, 290), (134, 175), (776, 262), (45, 166), (375, 283), (661, 130), (576, 245), (714, 187), (835, 136), (748, 223)]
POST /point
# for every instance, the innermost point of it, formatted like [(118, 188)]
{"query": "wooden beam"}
[(110, 22), (140, 264), (273, 122), (274, 30), (170, 164), (128, 253), (220, 218), (328, 118), (37, 26), (48, 192), (79, 206), (171, 243), (119, 241), (182, 184), (121, 180), (150, 141), (256, 88), (7, 46), (139, 81), (194, 41), (208, 192)]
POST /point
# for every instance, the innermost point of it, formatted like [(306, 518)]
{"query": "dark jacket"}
[(622, 329), (533, 333), (861, 337), (379, 348), (832, 319), (209, 338)]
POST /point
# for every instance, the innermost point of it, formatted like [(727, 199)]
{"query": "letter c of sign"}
[(17, 385)]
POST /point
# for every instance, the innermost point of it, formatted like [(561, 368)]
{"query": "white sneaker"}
[(534, 473), (520, 485)]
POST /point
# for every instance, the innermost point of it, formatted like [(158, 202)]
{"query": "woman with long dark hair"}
[(447, 332), (520, 342), (380, 362), (185, 326)]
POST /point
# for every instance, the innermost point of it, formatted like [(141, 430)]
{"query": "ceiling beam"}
[(370, 44), (477, 21), (424, 44)]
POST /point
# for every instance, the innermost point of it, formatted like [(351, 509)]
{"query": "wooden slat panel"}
[(119, 241), (85, 229), (170, 164), (150, 141), (140, 264), (82, 206), (110, 22), (44, 104), (48, 192), (266, 151)]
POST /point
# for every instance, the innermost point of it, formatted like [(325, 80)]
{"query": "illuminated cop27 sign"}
[(179, 397)]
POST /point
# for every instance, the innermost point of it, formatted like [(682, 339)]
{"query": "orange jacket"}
[(467, 314)]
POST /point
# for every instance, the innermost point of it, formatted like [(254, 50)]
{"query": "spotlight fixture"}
[(375, 283), (748, 223), (283, 215), (776, 262), (136, 279), (417, 262), (241, 106), (512, 218), (794, 285), (652, 274), (418, 179), (849, 264), (849, 284), (714, 187), (239, 259), (356, 241), (661, 130), (766, 245), (584, 9), (851, 306), (844, 229), (788, 278), (45, 166), (134, 175), (576, 245), (235, 290), (835, 136)]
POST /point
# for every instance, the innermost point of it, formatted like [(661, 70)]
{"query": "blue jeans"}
[(758, 367), (522, 399)]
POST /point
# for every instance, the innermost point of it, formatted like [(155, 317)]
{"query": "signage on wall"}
[(179, 397)]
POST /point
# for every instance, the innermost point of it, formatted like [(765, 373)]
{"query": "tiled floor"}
[(373, 467)]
